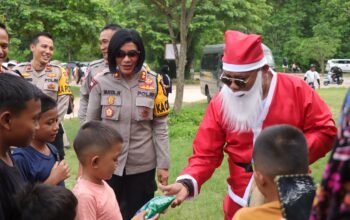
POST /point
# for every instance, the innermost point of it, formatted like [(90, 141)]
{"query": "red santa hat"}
[(242, 52)]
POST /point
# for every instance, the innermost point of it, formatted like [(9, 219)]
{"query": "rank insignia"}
[(26, 74), (109, 112), (51, 75), (148, 81), (48, 68), (51, 86), (110, 100), (143, 76), (146, 86)]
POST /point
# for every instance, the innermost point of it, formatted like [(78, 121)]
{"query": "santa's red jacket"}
[(289, 101)]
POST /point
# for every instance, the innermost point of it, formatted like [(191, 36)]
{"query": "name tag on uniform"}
[(146, 94)]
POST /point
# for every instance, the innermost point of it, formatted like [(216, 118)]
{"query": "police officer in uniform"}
[(133, 100), (95, 67), (47, 77), (4, 49)]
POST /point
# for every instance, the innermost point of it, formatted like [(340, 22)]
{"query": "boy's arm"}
[(86, 209)]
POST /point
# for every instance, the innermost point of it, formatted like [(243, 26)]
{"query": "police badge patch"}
[(26, 74), (92, 84), (51, 86), (109, 112), (111, 100)]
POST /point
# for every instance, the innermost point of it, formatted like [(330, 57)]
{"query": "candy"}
[(156, 205)]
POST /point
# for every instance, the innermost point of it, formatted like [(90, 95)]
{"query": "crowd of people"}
[(270, 125)]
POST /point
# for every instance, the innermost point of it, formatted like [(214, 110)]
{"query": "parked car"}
[(343, 64), (211, 68)]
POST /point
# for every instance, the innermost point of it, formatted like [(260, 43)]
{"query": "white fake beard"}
[(241, 109)]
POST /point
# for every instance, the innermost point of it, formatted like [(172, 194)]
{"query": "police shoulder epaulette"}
[(55, 66), (24, 67), (23, 64), (104, 71), (152, 73), (95, 62)]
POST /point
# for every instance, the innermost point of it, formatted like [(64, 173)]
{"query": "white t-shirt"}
[(311, 76)]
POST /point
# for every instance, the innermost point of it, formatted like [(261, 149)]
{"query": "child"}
[(40, 161), (278, 150), (97, 146), (46, 202), (19, 110)]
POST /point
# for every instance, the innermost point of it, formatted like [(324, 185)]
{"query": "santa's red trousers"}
[(230, 208)]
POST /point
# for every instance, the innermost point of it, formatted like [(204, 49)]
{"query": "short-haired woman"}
[(133, 100)]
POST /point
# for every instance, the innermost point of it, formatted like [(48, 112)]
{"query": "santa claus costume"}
[(289, 100)]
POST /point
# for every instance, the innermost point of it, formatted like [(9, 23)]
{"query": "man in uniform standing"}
[(96, 67), (47, 77)]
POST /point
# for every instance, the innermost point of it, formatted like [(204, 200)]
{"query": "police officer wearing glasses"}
[(133, 100)]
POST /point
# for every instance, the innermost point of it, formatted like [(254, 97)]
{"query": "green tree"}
[(334, 23), (159, 22), (69, 21), (289, 23)]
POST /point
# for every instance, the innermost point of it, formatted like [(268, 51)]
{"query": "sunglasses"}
[(130, 54), (229, 80)]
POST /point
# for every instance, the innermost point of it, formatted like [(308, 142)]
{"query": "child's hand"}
[(59, 172)]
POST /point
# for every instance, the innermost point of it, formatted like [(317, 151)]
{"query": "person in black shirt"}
[(19, 111)]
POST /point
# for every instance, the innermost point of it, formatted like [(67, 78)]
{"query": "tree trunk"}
[(180, 72), (180, 59), (69, 55), (322, 65)]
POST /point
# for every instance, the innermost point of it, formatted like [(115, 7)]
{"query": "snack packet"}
[(296, 194), (156, 205)]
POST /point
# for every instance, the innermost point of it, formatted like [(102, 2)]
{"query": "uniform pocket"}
[(51, 87), (111, 106), (144, 108)]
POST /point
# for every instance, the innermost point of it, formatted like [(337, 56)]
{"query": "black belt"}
[(248, 167)]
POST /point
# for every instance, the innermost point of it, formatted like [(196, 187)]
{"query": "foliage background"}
[(304, 31)]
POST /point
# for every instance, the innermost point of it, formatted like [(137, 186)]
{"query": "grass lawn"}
[(182, 129)]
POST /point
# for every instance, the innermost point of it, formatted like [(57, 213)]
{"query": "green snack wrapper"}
[(157, 205)]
